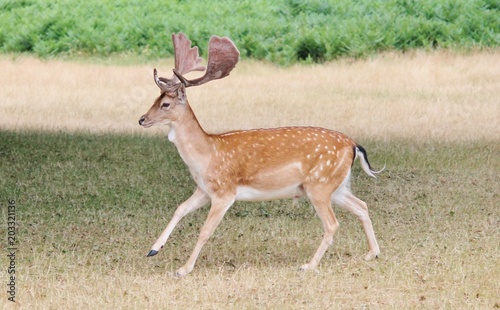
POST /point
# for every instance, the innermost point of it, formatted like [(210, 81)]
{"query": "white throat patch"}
[(171, 135)]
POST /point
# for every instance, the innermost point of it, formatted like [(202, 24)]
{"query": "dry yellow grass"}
[(439, 96)]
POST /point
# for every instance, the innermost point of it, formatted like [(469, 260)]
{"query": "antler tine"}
[(186, 57), (186, 60), (222, 58)]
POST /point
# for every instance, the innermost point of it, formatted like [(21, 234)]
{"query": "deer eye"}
[(165, 105)]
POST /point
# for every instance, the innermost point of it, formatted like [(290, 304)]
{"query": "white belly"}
[(252, 194)]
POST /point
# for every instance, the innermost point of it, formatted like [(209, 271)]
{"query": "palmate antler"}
[(222, 58)]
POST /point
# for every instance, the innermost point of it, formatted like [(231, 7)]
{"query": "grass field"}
[(93, 193), (439, 96), (90, 206)]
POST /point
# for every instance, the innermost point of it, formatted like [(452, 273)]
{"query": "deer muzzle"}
[(142, 121)]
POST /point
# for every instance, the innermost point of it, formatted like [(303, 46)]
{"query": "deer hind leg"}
[(346, 200), (319, 195), (197, 200), (218, 209)]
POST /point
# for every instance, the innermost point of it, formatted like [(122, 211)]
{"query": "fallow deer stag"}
[(252, 165)]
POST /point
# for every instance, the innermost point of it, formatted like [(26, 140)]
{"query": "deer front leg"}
[(197, 200), (218, 209)]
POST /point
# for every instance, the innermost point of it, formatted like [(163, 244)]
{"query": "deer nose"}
[(141, 120)]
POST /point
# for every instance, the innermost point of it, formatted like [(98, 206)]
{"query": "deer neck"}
[(191, 140)]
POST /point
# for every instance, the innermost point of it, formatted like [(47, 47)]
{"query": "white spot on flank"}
[(328, 162)]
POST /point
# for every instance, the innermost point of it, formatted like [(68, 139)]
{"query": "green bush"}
[(282, 31)]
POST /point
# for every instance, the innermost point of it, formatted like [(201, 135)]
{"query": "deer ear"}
[(181, 94)]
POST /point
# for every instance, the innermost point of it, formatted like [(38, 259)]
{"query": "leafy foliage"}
[(283, 31)]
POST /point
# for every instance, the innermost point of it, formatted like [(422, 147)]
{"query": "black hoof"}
[(152, 253)]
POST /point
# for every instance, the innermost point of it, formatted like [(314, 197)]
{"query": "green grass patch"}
[(283, 32), (89, 206)]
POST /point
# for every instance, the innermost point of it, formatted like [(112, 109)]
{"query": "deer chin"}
[(147, 125), (155, 123)]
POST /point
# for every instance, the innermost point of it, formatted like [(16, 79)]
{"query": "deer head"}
[(172, 102)]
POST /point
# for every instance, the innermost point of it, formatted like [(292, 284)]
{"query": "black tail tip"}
[(152, 253), (365, 155)]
